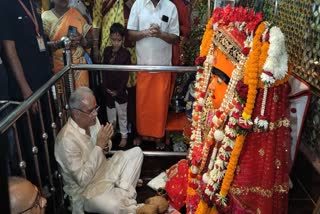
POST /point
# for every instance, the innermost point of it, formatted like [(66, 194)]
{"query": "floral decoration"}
[(250, 78)]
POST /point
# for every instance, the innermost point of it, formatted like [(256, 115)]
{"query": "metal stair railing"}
[(58, 112)]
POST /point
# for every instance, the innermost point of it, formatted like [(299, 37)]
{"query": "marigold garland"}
[(228, 178), (252, 71), (263, 57), (207, 38), (213, 210), (251, 79), (202, 208), (242, 18)]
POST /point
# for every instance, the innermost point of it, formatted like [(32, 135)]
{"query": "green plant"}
[(191, 44)]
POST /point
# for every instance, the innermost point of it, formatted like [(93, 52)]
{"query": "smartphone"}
[(165, 18), (72, 30)]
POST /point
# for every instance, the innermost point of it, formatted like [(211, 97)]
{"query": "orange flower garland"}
[(252, 71), (213, 210), (207, 38), (200, 145), (263, 57), (202, 208), (253, 67)]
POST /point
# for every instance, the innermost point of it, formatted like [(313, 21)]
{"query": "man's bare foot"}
[(137, 141), (146, 138), (123, 142), (160, 145)]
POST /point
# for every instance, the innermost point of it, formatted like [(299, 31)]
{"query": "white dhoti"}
[(123, 170)]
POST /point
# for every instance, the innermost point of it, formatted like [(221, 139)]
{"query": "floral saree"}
[(58, 28)]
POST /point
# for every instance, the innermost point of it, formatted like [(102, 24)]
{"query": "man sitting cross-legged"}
[(93, 182)]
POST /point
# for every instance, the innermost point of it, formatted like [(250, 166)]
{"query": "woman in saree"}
[(57, 23), (105, 13)]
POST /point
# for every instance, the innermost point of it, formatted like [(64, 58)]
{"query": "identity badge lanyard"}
[(33, 17)]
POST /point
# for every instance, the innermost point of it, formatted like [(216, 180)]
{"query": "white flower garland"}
[(275, 68), (276, 65), (202, 81), (215, 173), (220, 155)]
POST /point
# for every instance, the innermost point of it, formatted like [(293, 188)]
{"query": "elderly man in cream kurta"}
[(94, 183)]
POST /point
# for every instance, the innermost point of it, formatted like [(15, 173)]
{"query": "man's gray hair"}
[(77, 97)]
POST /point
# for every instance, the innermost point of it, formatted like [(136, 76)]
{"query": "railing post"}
[(67, 56), (4, 195)]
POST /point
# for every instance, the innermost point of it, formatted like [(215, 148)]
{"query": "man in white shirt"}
[(94, 183), (154, 25)]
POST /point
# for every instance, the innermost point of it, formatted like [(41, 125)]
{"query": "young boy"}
[(115, 82)]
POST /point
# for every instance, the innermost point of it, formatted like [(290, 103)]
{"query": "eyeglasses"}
[(37, 202), (91, 112)]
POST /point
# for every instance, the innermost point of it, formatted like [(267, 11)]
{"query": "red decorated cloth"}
[(177, 183), (184, 27), (261, 179)]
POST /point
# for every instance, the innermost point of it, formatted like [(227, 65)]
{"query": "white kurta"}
[(93, 182)]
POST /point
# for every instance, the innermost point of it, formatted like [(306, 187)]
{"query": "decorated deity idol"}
[(239, 146)]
